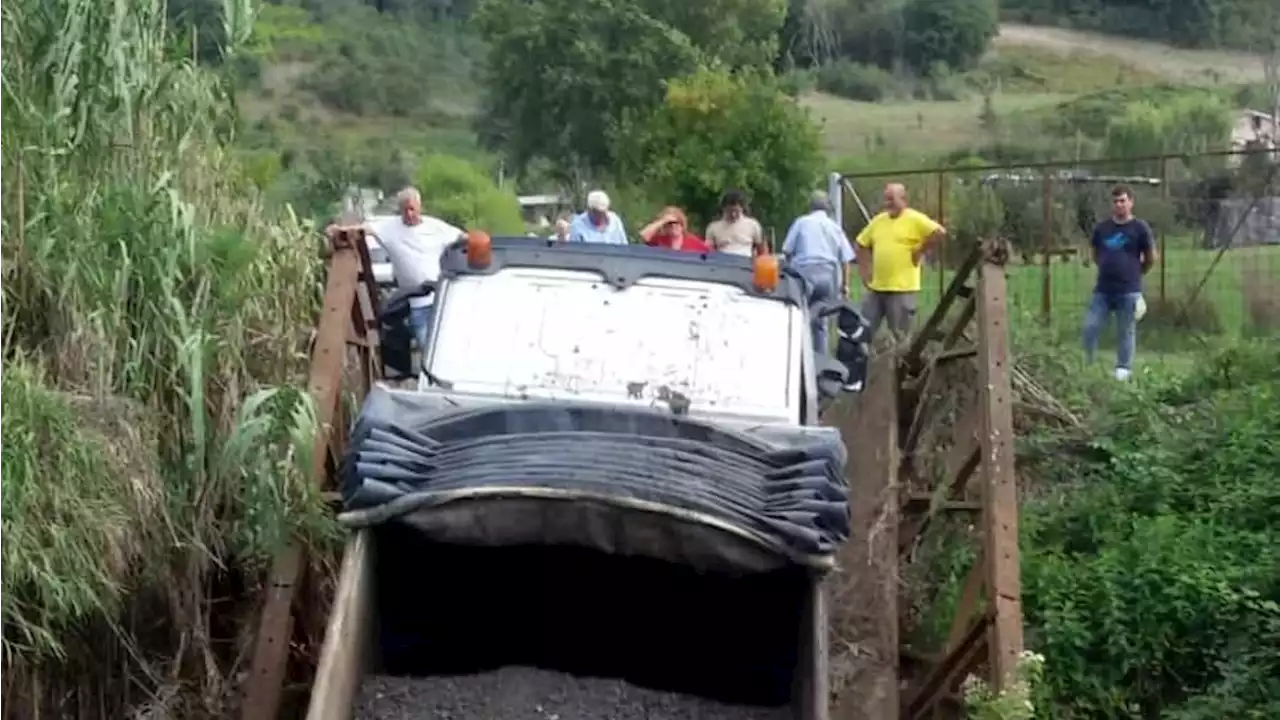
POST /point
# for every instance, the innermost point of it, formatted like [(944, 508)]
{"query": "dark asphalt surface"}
[(518, 693)]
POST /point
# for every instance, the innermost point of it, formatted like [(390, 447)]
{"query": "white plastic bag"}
[(1139, 309)]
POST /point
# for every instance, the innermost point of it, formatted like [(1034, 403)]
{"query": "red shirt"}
[(690, 243)]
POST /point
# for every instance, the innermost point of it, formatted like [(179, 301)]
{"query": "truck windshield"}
[(539, 333)]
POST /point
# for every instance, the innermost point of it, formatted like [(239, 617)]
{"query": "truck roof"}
[(622, 265)]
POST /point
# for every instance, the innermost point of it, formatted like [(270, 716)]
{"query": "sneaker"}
[(1123, 373)]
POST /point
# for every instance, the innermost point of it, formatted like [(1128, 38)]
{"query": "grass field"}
[(1241, 296), (921, 128), (1028, 70), (1174, 64)]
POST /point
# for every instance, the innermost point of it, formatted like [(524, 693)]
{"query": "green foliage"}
[(856, 81), (377, 64), (286, 32), (1091, 114), (57, 478), (557, 95), (141, 271), (738, 33), (1150, 580), (1202, 23), (952, 32), (457, 192), (717, 131), (1186, 125)]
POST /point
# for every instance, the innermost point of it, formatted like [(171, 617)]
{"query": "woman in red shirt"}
[(671, 230)]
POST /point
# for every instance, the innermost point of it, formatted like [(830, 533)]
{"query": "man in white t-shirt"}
[(414, 243), (735, 232)]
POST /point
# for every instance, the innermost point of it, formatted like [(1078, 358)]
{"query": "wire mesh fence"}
[(1215, 219)]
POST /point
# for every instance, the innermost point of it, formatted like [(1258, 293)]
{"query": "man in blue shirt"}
[(598, 224), (1123, 252), (818, 249)]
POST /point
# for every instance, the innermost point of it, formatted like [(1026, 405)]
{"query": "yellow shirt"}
[(892, 240)]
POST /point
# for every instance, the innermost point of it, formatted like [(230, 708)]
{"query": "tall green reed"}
[(138, 264)]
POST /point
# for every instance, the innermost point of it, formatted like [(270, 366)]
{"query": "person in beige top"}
[(735, 232)]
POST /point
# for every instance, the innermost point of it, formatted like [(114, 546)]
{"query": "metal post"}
[(835, 193), (1046, 262), (1164, 195), (942, 219)]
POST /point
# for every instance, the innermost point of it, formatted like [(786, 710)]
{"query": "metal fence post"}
[(942, 220), (1164, 232), (1046, 261)]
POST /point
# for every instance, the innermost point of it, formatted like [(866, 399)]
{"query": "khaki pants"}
[(898, 308)]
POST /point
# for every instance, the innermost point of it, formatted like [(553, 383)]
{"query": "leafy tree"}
[(738, 32), (953, 32), (717, 130), (458, 192), (562, 71)]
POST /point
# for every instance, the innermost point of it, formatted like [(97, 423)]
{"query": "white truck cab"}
[(631, 325)]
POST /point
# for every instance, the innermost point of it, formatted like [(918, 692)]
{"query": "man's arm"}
[(620, 234), (863, 259), (1095, 243), (844, 250), (933, 232), (1147, 253)]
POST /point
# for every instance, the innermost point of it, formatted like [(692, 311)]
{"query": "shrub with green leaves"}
[(716, 131), (1152, 582), (460, 193), (140, 271), (856, 81)]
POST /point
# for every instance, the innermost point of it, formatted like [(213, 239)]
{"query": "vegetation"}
[(154, 320), (1209, 23), (717, 131), (1149, 562)]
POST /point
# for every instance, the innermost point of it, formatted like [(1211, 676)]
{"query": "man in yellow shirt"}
[(890, 250)]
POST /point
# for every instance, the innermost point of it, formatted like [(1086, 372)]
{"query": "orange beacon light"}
[(765, 272), (479, 249)]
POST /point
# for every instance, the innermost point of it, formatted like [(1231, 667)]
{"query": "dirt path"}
[(1177, 63)]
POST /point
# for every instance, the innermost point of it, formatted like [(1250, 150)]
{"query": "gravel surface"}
[(517, 693)]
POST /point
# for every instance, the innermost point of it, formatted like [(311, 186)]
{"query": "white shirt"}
[(414, 250), (737, 237)]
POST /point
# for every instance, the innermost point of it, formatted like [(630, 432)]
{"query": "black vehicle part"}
[(558, 473), (397, 337), (713, 644)]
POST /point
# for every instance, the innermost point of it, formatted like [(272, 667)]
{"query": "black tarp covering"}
[(628, 480)]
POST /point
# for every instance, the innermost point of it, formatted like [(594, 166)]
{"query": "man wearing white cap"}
[(598, 224)]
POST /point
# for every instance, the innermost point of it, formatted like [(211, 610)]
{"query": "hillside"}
[(1175, 64), (341, 114)]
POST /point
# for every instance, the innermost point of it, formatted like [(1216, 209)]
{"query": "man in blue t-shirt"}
[(1123, 251)]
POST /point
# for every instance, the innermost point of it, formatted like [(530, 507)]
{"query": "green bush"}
[(716, 131), (1150, 582), (856, 81), (952, 32), (458, 192)]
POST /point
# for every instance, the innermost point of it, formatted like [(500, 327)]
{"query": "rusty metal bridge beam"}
[(982, 446), (348, 317)]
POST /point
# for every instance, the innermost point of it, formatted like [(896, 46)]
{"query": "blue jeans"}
[(1124, 306), (420, 323), (822, 283)]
